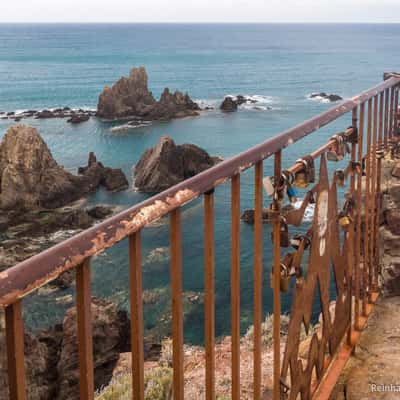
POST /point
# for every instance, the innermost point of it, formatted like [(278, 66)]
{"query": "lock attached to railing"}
[(284, 278), (337, 150), (306, 175), (344, 220), (340, 177), (283, 233)]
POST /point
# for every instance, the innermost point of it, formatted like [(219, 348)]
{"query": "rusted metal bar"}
[(258, 278), (378, 186), (15, 351), (391, 112), (276, 285), (84, 322), (372, 155), (235, 285), (209, 300), (35, 272), (137, 343), (386, 125), (357, 273), (177, 310), (353, 244), (366, 259), (396, 108)]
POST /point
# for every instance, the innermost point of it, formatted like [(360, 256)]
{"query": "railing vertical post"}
[(15, 351), (378, 186), (373, 199), (235, 285), (209, 298), (84, 322), (391, 112), (258, 277), (135, 276), (276, 284), (357, 275), (352, 258), (396, 107), (177, 311), (366, 238), (386, 124)]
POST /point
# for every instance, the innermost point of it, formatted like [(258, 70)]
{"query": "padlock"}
[(295, 241), (291, 193), (344, 220), (380, 154), (331, 154), (283, 233), (268, 186), (284, 278), (300, 179), (340, 177)]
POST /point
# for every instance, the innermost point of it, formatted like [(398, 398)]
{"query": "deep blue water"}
[(44, 66)]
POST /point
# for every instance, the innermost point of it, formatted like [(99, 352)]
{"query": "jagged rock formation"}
[(130, 97), (29, 175), (167, 164), (229, 104), (110, 338), (31, 178), (51, 357), (97, 175)]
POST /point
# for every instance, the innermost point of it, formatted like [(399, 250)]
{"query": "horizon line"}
[(199, 22)]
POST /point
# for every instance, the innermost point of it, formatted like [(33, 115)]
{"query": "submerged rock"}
[(167, 164), (130, 97), (331, 97), (78, 118)]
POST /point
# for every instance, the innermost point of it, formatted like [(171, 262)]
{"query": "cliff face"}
[(130, 97)]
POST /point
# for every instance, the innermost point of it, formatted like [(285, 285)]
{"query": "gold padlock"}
[(344, 220), (284, 279), (300, 179)]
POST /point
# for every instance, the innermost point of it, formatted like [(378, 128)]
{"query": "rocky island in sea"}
[(130, 97), (167, 164)]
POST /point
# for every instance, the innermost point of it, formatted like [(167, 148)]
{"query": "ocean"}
[(57, 65)]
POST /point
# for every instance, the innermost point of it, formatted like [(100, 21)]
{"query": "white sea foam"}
[(309, 213)]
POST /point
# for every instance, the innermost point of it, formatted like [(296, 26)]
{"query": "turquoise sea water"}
[(45, 66)]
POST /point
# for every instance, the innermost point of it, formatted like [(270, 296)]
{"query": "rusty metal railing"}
[(353, 255)]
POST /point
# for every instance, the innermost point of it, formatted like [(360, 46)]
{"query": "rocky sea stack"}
[(167, 164), (130, 97), (31, 178), (29, 175)]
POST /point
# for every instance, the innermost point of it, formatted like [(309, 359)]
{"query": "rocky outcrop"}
[(51, 357), (130, 97), (96, 174), (167, 164), (29, 175), (324, 96), (110, 338), (229, 104), (31, 178)]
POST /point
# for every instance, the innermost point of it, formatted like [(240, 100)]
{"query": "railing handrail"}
[(27, 276)]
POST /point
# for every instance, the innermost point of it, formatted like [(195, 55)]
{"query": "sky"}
[(200, 11)]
